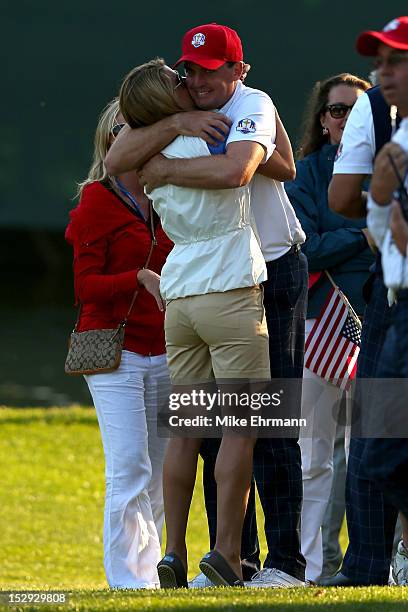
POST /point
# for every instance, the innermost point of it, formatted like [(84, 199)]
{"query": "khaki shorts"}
[(221, 335)]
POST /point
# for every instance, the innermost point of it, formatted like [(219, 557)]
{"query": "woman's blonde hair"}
[(147, 95), (106, 122)]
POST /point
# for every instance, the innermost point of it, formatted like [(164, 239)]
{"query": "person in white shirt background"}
[(277, 465), (371, 517)]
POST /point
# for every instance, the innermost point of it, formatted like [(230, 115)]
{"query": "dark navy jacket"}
[(333, 242)]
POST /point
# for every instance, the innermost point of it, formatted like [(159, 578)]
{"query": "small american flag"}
[(333, 345)]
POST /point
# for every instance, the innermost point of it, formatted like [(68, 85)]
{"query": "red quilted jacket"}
[(111, 243)]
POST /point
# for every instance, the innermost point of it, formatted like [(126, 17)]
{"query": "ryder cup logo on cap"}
[(246, 126), (198, 40), (211, 46)]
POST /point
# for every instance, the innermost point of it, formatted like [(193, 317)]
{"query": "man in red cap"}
[(213, 62), (358, 147), (371, 515)]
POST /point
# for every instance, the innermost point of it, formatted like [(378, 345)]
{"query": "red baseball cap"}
[(394, 34), (210, 46)]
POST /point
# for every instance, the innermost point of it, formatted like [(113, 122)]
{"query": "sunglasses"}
[(392, 60), (179, 80), (116, 129), (339, 110)]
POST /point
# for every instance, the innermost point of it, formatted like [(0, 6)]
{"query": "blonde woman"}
[(111, 231), (215, 322)]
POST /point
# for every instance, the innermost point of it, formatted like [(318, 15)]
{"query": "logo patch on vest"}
[(246, 126), (198, 40)]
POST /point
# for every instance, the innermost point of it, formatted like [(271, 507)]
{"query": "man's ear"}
[(238, 70), (245, 69)]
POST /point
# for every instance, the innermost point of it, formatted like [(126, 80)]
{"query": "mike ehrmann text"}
[(256, 420)]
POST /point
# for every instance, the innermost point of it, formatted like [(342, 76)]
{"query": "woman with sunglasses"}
[(339, 246), (112, 231)]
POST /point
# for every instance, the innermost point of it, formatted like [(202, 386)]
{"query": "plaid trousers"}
[(277, 462), (371, 519), (386, 459)]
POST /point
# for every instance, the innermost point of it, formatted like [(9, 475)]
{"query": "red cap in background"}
[(394, 34)]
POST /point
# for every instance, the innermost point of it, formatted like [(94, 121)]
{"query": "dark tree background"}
[(61, 63), (64, 60)]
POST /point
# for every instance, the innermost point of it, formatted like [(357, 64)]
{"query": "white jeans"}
[(321, 402), (126, 403)]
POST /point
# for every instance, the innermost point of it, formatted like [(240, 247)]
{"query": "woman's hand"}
[(151, 282), (210, 126), (399, 228)]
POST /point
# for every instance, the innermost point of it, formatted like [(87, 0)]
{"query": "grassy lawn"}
[(51, 500)]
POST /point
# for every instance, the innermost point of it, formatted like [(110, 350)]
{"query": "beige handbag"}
[(98, 351), (95, 351)]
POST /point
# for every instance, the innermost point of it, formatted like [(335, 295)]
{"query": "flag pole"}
[(329, 276), (344, 298)]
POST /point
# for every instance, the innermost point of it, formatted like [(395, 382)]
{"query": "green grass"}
[(51, 508), (370, 599)]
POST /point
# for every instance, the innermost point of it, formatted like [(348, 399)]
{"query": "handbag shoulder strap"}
[(152, 245), (132, 303)]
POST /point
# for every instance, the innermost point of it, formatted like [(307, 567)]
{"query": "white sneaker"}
[(273, 578), (400, 565), (391, 581), (200, 582)]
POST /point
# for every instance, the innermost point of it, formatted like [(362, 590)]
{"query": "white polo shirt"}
[(395, 265), (253, 116), (356, 151), (215, 246)]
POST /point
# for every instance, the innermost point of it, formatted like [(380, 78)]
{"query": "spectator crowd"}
[(232, 264)]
